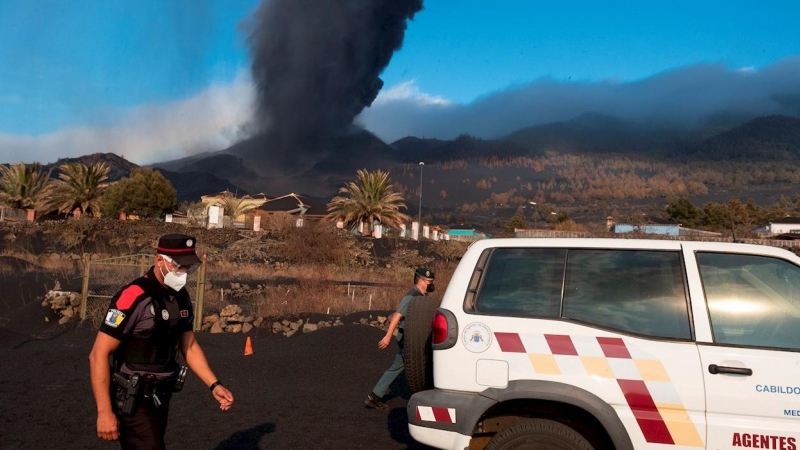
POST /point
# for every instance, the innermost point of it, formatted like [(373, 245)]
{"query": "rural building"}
[(782, 226), (654, 225), (295, 205), (468, 235)]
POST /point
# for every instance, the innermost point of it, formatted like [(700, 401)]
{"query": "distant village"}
[(252, 211), (366, 207)]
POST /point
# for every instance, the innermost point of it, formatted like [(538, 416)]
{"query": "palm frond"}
[(368, 199), (235, 207), (24, 186), (80, 187)]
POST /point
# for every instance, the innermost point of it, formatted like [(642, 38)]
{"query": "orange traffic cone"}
[(248, 347)]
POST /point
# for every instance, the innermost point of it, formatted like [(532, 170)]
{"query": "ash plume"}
[(316, 63)]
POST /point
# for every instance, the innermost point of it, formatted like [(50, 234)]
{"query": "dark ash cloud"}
[(316, 64)]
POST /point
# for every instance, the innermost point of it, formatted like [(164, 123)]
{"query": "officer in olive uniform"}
[(423, 284), (146, 324)]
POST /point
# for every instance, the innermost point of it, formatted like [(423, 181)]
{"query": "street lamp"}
[(533, 212), (419, 217)]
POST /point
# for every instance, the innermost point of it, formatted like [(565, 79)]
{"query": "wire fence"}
[(103, 278), (7, 214)]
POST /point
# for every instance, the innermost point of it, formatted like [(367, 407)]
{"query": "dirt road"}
[(305, 391)]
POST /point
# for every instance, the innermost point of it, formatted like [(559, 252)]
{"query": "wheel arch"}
[(548, 396)]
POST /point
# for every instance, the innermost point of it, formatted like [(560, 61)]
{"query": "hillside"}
[(221, 165), (590, 162), (413, 149), (118, 167), (590, 159), (773, 138), (598, 133), (314, 167), (190, 185)]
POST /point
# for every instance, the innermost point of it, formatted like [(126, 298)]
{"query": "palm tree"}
[(234, 206), (24, 186), (367, 199), (80, 186)]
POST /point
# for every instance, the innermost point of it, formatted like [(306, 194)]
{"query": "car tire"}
[(539, 434), (417, 351)]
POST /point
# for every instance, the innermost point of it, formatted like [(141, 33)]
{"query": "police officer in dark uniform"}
[(146, 324), (423, 284)]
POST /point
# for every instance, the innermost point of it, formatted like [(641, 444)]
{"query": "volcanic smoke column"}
[(316, 62)]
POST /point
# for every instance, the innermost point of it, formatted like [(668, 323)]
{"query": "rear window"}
[(635, 291), (523, 281)]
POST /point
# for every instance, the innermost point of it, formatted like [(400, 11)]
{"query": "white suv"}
[(615, 344)]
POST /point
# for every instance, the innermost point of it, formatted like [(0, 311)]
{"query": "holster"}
[(128, 392), (131, 389)]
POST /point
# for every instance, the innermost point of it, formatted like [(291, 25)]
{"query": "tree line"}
[(83, 189), (733, 218), (573, 179)]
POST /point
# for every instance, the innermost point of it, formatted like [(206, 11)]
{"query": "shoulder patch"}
[(128, 296), (114, 317)]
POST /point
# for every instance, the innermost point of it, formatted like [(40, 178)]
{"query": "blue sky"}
[(82, 62), (461, 49), (153, 79)]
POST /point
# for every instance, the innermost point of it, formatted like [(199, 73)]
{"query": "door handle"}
[(715, 369)]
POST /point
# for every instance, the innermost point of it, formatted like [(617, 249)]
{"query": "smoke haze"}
[(685, 97), (216, 118), (209, 121)]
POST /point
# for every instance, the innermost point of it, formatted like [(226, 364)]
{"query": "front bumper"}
[(445, 419), (439, 438)]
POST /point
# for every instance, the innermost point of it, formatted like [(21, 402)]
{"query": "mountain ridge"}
[(318, 169)]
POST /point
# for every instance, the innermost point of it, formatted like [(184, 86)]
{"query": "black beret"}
[(179, 247)]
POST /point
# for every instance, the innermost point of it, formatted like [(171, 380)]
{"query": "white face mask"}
[(175, 280)]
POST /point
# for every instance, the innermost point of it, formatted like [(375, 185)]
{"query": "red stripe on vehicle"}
[(644, 410), (419, 417), (614, 347), (128, 296), (441, 414), (561, 344), (510, 342)]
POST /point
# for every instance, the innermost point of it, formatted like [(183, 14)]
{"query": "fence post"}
[(144, 264), (201, 284), (85, 287)]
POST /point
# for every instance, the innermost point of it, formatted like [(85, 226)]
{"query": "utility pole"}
[(419, 216), (533, 212)]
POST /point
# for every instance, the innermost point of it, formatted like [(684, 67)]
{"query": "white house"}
[(784, 225)]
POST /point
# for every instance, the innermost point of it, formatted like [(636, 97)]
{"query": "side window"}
[(635, 291), (752, 300), (523, 281)]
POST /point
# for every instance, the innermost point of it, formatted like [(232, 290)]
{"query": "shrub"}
[(319, 242), (145, 194)]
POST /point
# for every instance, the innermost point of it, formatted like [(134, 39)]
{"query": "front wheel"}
[(538, 434)]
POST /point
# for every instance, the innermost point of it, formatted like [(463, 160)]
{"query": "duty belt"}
[(132, 388)]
